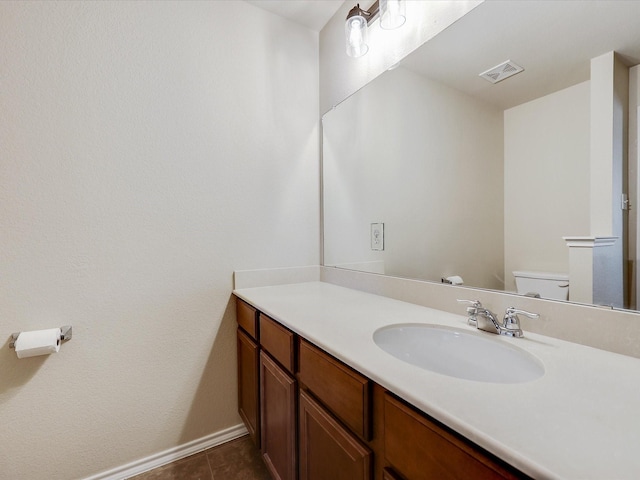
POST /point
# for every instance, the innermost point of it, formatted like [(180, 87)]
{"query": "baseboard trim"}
[(171, 454)]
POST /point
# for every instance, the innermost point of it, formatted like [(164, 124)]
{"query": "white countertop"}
[(578, 421)]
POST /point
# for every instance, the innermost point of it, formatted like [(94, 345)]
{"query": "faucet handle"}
[(473, 303), (512, 322), (472, 310), (513, 311)]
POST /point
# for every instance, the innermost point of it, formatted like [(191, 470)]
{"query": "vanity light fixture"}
[(392, 15), (355, 31)]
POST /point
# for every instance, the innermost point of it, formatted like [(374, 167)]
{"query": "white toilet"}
[(553, 286)]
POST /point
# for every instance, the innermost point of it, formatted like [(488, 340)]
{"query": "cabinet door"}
[(328, 451), (388, 474), (278, 419), (248, 399)]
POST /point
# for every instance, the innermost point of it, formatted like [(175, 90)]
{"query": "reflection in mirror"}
[(478, 180)]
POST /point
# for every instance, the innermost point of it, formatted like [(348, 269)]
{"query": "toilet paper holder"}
[(65, 334)]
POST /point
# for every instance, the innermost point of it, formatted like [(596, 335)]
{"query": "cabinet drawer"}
[(343, 390), (419, 449), (247, 317), (278, 341)]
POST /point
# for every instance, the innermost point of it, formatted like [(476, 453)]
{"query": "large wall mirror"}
[(432, 172)]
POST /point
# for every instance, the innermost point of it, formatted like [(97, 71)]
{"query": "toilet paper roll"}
[(455, 280), (38, 342)]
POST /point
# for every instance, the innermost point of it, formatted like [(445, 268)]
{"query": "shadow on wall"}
[(16, 372), (218, 384)]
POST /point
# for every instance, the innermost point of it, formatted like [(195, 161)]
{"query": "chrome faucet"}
[(472, 311), (511, 322), (484, 319)]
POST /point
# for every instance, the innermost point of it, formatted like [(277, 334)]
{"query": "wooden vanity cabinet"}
[(278, 414), (278, 399), (248, 382), (388, 474), (279, 342), (419, 449), (335, 418), (316, 418), (247, 317), (248, 373), (328, 451), (344, 391)]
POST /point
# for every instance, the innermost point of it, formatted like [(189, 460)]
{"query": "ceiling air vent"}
[(500, 72)]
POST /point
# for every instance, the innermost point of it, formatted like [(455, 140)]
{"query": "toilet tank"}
[(554, 286)]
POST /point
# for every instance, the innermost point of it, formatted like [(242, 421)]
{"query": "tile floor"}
[(235, 460)]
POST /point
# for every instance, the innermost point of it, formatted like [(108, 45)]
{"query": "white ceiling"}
[(313, 14), (553, 40)]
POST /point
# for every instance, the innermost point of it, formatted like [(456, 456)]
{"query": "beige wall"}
[(427, 161), (148, 150), (546, 180), (609, 163)]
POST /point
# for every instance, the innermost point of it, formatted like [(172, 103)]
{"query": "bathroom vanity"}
[(322, 400)]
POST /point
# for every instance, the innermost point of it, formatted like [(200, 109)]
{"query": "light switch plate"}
[(377, 236)]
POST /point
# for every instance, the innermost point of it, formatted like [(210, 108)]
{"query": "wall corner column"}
[(590, 259)]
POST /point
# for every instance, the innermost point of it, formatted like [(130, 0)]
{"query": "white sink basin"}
[(458, 353)]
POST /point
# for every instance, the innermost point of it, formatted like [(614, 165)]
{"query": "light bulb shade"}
[(356, 35), (392, 13)]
